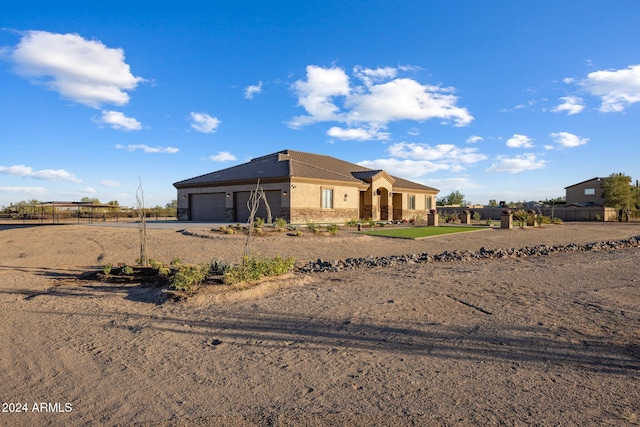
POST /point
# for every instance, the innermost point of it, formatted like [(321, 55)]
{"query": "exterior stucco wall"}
[(576, 193)]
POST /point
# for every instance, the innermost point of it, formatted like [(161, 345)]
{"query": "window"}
[(427, 203), (412, 203), (589, 191), (327, 198)]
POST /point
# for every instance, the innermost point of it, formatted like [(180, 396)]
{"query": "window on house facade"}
[(427, 203), (411, 201), (589, 191), (327, 198)]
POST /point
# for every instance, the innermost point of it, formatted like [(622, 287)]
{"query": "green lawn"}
[(418, 232)]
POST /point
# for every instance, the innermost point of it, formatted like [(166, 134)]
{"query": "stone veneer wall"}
[(323, 215)]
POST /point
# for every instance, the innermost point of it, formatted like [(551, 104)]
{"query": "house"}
[(302, 187), (585, 193)]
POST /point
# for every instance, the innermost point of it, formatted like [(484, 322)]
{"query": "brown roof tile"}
[(290, 163)]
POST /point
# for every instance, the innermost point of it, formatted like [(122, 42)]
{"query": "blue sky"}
[(505, 100)]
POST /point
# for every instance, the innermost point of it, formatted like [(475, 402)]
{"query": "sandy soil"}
[(551, 340)]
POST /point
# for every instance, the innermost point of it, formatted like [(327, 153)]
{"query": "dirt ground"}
[(550, 340)]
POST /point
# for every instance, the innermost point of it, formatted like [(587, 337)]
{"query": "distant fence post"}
[(506, 219)]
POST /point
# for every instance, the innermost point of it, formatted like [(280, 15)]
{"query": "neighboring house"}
[(303, 187), (585, 193)]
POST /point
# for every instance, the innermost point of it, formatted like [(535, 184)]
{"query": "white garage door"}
[(207, 206), (242, 211)]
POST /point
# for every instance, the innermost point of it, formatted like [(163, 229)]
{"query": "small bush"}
[(299, 233), (106, 269), (333, 229), (521, 218), (281, 223), (258, 222), (126, 270), (258, 230), (312, 226), (176, 261), (164, 271), (556, 220), (542, 219), (223, 229), (476, 216), (156, 265), (280, 229), (188, 276), (255, 268), (229, 231), (351, 222)]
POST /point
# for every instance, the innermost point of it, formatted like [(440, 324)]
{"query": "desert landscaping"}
[(531, 340)]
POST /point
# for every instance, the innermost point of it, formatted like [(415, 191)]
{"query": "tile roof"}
[(290, 163)]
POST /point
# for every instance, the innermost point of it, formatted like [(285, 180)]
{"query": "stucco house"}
[(585, 193), (302, 187)]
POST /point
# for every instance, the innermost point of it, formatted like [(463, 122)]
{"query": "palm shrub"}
[(281, 222)]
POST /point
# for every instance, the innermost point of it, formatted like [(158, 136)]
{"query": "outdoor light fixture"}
[(228, 195), (345, 197), (284, 193)]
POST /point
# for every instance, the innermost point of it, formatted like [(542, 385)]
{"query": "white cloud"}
[(44, 174), (88, 190), (370, 76), (617, 89), (327, 95), (405, 99), (570, 104), (567, 139), (84, 71), (252, 90), (316, 95), (358, 134), (405, 168), (440, 152), (119, 121), (474, 138), (222, 156), (204, 123), (519, 141), (109, 183), (24, 190), (147, 149), (517, 164)]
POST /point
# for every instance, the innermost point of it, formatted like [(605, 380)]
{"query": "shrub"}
[(351, 222), (164, 271), (312, 226), (156, 265), (333, 229), (258, 222), (223, 228), (372, 223), (476, 216), (281, 222), (258, 230), (299, 233), (556, 220), (280, 229), (127, 270), (229, 231), (542, 219), (255, 268), (188, 276), (106, 269), (176, 261)]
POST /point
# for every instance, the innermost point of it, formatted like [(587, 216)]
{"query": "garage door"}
[(207, 207), (242, 211)]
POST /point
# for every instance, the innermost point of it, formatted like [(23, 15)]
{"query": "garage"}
[(242, 211), (207, 207)]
